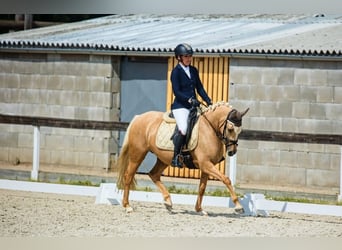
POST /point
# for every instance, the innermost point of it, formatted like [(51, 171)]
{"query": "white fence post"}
[(36, 146), (339, 197), (232, 169)]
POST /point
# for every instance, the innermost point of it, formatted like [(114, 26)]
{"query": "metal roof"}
[(147, 34)]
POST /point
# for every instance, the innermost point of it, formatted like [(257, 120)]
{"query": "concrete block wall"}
[(62, 86), (288, 96)]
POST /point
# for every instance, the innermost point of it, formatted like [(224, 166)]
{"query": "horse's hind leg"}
[(201, 191), (128, 179), (155, 175)]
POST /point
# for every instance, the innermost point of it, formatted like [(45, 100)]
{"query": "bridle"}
[(223, 136)]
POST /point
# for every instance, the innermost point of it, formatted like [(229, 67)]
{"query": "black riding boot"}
[(178, 140)]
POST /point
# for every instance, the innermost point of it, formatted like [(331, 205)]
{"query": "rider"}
[(185, 82)]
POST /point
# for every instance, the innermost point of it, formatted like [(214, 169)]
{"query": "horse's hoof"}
[(129, 209), (203, 213), (239, 210), (168, 206)]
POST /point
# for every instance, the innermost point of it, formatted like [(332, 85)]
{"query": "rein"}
[(222, 136)]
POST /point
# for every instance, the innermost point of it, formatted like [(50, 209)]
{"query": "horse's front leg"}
[(201, 191), (210, 169)]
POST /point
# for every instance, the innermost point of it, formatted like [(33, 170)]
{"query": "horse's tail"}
[(122, 163)]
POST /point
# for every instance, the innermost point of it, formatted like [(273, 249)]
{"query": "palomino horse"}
[(219, 127)]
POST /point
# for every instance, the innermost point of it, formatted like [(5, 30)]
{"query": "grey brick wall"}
[(61, 86), (288, 96)]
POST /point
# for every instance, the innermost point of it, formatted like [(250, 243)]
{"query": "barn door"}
[(214, 72), (143, 88)]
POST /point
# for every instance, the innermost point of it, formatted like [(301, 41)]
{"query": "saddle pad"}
[(167, 118), (165, 131)]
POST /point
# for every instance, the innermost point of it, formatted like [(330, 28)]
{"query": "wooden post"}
[(18, 17), (28, 21), (36, 145)]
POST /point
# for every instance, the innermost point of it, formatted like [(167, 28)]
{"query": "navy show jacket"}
[(184, 88)]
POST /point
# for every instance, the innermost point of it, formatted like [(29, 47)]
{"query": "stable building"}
[(286, 68)]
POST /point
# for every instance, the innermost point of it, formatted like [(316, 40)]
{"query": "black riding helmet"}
[(183, 49)]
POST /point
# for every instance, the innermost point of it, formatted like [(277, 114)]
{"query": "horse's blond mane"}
[(215, 105)]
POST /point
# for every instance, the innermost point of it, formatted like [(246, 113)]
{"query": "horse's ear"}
[(244, 112)]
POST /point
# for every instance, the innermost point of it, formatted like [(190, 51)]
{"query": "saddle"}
[(168, 128)]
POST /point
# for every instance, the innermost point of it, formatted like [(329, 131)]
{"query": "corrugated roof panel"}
[(275, 34), (328, 39)]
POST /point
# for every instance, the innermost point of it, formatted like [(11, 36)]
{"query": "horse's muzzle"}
[(231, 153), (232, 147)]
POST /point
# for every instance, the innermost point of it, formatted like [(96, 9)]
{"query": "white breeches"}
[(181, 116)]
